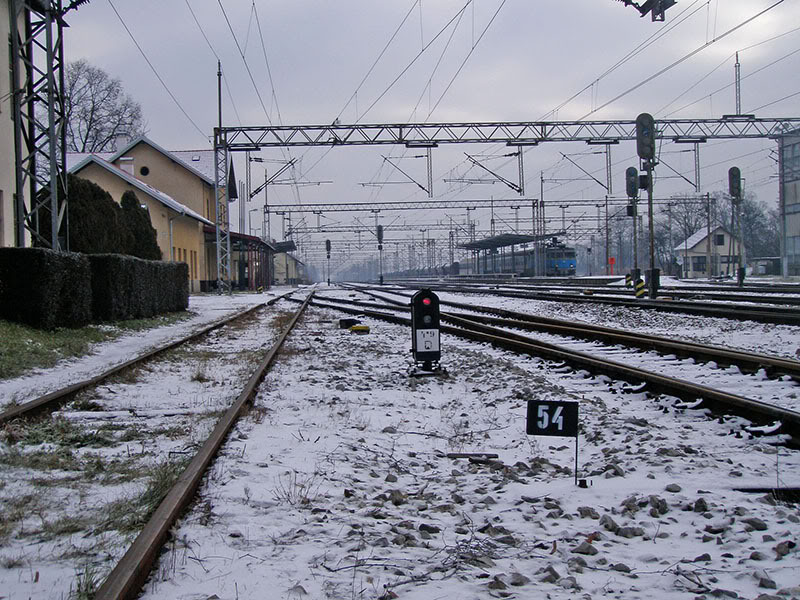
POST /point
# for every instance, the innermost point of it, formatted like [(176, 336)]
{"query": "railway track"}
[(743, 312), (52, 400), (749, 362), (694, 293), (783, 420), (605, 283), (134, 425), (126, 579)]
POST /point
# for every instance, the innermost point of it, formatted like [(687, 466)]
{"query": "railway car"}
[(560, 261)]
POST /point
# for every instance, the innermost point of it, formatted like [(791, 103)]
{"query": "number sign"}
[(552, 418)]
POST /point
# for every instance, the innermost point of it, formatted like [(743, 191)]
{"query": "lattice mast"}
[(37, 79)]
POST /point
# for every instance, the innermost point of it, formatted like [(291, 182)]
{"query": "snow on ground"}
[(765, 338), (206, 309), (339, 486), (68, 486)]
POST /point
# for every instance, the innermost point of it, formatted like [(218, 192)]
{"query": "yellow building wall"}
[(185, 244), (7, 177), (173, 179)]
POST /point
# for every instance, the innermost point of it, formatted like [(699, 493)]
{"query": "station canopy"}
[(503, 240)]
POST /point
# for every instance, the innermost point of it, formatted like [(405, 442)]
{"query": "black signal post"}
[(646, 149), (379, 234), (425, 344), (735, 190), (328, 252)]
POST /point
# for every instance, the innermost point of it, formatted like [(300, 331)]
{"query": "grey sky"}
[(535, 55)]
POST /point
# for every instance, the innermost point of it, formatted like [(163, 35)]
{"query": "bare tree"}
[(98, 111)]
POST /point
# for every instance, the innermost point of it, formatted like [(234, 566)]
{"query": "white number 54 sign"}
[(551, 417)]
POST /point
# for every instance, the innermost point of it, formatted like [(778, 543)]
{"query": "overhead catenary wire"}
[(155, 72), (214, 52), (266, 62), (414, 60), (629, 56), (728, 85), (377, 60), (683, 59)]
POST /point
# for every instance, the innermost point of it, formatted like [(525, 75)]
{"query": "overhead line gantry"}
[(518, 133)]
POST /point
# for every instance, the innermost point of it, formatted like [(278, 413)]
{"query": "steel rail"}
[(755, 410), (746, 361), (761, 314), (127, 578), (688, 292), (59, 396)]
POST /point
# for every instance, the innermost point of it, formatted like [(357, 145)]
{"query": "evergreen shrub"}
[(45, 289)]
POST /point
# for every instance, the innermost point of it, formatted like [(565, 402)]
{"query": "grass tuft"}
[(130, 514), (24, 348)]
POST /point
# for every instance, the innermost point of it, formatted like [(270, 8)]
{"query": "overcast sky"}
[(522, 60)]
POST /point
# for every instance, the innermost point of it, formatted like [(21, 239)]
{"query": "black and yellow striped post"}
[(639, 288), (628, 280)]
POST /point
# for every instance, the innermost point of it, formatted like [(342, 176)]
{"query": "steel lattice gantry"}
[(428, 135), (37, 83), (518, 133)]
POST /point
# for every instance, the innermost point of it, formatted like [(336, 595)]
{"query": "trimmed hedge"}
[(46, 289), (124, 287)]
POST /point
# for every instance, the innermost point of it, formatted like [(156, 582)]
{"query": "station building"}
[(180, 194), (179, 229)]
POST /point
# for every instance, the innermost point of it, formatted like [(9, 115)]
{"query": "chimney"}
[(126, 164)]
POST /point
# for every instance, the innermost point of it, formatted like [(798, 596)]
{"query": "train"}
[(560, 260)]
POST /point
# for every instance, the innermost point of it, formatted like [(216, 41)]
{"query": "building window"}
[(699, 263), (719, 239)]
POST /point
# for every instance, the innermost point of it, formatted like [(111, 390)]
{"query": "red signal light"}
[(426, 301)]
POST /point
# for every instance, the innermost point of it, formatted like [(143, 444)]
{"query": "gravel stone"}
[(755, 523), (585, 548), (609, 523), (673, 488)]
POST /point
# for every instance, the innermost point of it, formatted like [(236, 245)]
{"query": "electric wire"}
[(266, 62), (155, 72), (629, 56), (376, 191), (728, 85), (466, 58), (377, 60), (414, 60), (683, 59), (776, 101), (214, 52)]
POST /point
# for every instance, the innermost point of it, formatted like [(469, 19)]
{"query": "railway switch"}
[(425, 345)]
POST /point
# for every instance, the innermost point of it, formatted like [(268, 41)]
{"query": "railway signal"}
[(328, 252), (735, 190), (735, 182), (632, 182), (645, 136), (379, 235), (425, 345)]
